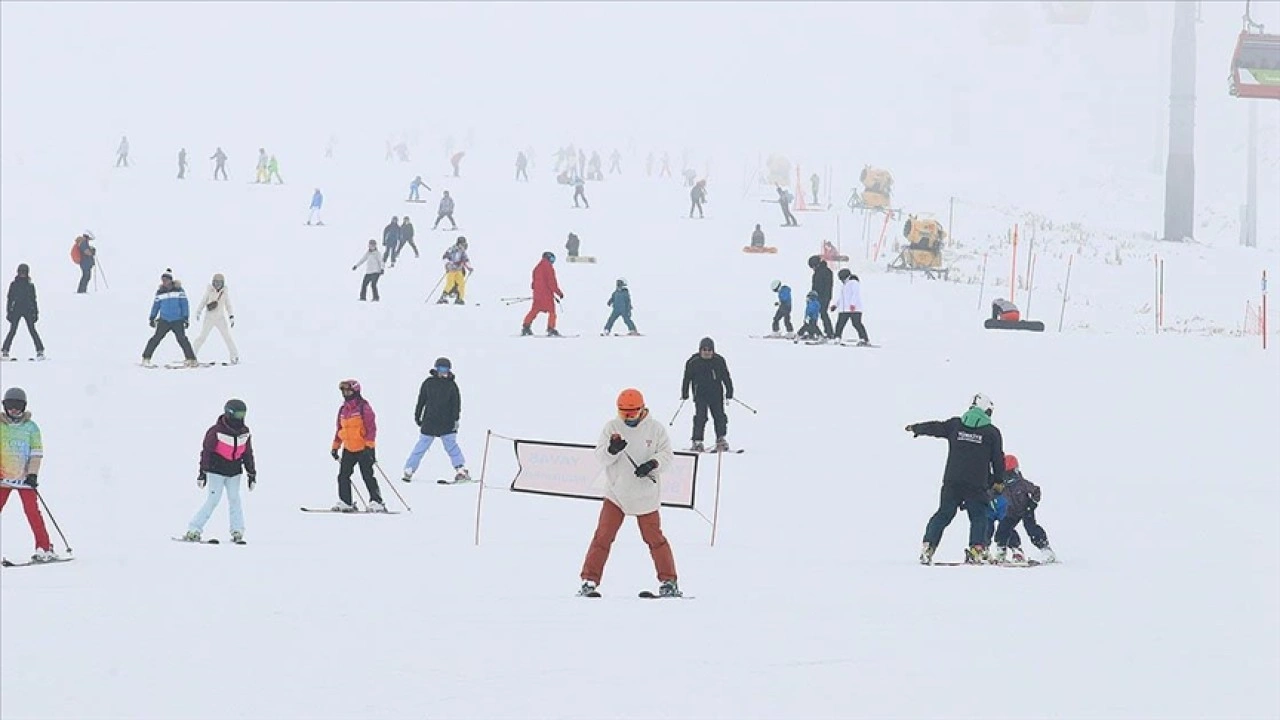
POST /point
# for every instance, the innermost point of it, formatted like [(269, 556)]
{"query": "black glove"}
[(371, 454), (646, 467), (201, 479), (1031, 504), (232, 319), (728, 396), (353, 267), (253, 480), (683, 397), (616, 444), (912, 429), (31, 481), (334, 453), (153, 322)]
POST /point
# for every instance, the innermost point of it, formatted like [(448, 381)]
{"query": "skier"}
[(216, 308), (635, 451), (849, 304), (317, 201), (456, 267), (273, 170), (572, 245), (373, 269), (975, 463), (182, 164), (522, 166), (546, 293), (814, 180), (594, 172), (170, 313), (1023, 497), (390, 240), (261, 168), (436, 415), (122, 152), (415, 187), (445, 211), (757, 237), (615, 162), (406, 238), (822, 283), (355, 436), (620, 301), (665, 170), (579, 191), (21, 452), (226, 454), (812, 308), (456, 162), (83, 254), (697, 196), (21, 305), (783, 303), (784, 202), (219, 159), (708, 375)]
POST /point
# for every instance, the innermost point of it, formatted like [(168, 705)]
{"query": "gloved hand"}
[(777, 304), (201, 479), (253, 480), (153, 322), (334, 453), (998, 487), (32, 482), (1032, 504), (371, 454), (683, 397), (646, 467), (353, 267), (232, 318), (616, 444), (832, 308), (912, 429), (728, 396)]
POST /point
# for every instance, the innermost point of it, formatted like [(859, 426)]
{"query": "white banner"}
[(571, 470)]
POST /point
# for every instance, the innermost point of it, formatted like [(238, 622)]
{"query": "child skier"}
[(21, 452), (21, 306), (436, 414), (1022, 497), (620, 301), (216, 308), (445, 211), (317, 202), (635, 450), (373, 269), (170, 313), (227, 452), (456, 267), (812, 311), (783, 303), (355, 436)]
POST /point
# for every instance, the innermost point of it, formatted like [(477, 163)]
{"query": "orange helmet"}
[(630, 404)]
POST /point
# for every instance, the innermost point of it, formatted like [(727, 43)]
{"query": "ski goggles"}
[(237, 414), (443, 369), (630, 414), (14, 406)]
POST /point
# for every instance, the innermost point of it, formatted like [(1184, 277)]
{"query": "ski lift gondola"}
[(1255, 66)]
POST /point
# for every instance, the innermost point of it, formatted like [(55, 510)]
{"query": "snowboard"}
[(650, 595), (581, 259), (415, 201), (339, 512), (8, 564), (621, 334), (763, 250), (206, 541)]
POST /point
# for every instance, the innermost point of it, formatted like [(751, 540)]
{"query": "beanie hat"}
[(707, 343)]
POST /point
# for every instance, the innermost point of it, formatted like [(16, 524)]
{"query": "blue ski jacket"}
[(621, 301), (317, 199), (784, 294), (812, 309), (170, 303)]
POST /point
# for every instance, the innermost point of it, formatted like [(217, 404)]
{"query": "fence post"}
[(1065, 285)]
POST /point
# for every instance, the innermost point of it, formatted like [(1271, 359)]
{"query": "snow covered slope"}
[(1157, 457)]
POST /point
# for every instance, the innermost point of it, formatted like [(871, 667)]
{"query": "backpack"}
[(75, 252)]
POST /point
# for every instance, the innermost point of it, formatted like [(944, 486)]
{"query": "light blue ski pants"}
[(424, 444), (213, 495)]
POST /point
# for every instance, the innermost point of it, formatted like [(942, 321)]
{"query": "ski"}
[(30, 359), (790, 336), (841, 343), (209, 541), (353, 512), (592, 594), (650, 595), (621, 334), (8, 564), (959, 563), (713, 451), (561, 336), (445, 481)]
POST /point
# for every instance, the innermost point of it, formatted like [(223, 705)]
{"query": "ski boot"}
[(40, 355), (722, 445), (604, 333), (237, 537), (192, 536), (146, 362), (235, 360), (444, 299), (525, 330), (44, 555), (462, 475), (926, 553), (588, 589), (669, 588), (1016, 555), (1049, 557), (552, 332), (633, 332), (376, 506), (697, 446), (4, 355), (975, 555), (190, 363), (341, 506), (408, 475), (458, 301)]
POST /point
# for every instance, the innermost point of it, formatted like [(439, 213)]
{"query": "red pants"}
[(611, 517), (31, 507), (536, 310)]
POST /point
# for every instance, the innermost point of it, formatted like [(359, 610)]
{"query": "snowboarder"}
[(390, 240), (757, 237), (697, 196), (21, 452), (373, 269), (355, 436), (975, 463), (822, 283), (546, 293), (1005, 311), (445, 211), (572, 245), (225, 455), (620, 301), (783, 303), (260, 175), (635, 451), (216, 308), (814, 180), (317, 201), (784, 202), (273, 170), (1022, 497), (615, 162), (456, 267), (406, 238), (436, 415), (182, 164), (21, 305), (456, 162), (812, 308), (849, 304), (219, 159), (122, 152), (579, 191), (708, 376), (415, 187), (522, 166), (170, 313)]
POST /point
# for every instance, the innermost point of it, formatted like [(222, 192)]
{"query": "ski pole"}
[(673, 417), (432, 291), (753, 410), (515, 301), (45, 505), (636, 465), (392, 485), (97, 265)]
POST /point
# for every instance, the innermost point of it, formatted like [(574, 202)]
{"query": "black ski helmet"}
[(235, 409), (443, 362), (814, 260), (844, 274), (16, 397)]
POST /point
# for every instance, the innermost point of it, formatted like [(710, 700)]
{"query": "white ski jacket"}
[(223, 310), (850, 299), (372, 262), (646, 441)]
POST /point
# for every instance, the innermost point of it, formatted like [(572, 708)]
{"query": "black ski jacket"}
[(439, 405), (823, 282), (975, 460), (709, 378), (21, 300), (406, 233), (391, 234)]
